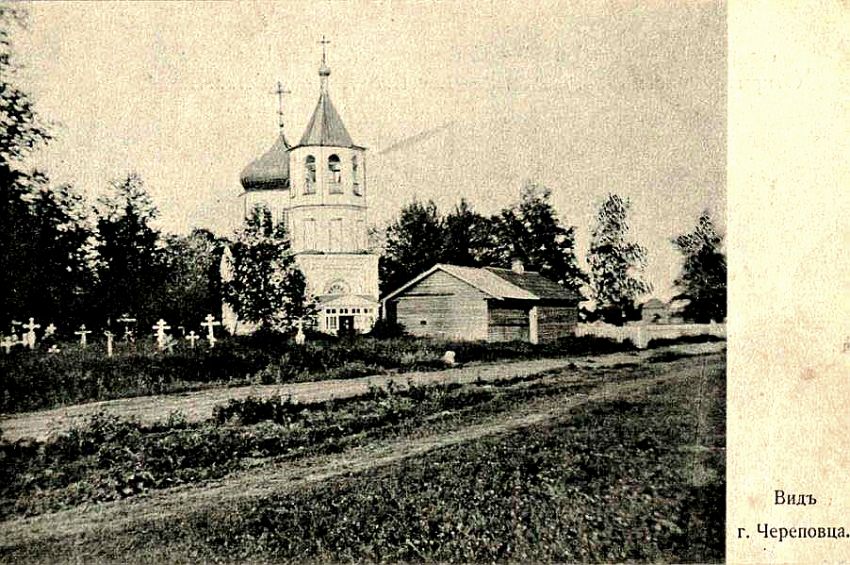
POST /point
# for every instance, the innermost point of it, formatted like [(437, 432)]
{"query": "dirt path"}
[(198, 405), (286, 476)]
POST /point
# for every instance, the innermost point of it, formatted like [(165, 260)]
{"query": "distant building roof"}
[(498, 283), (654, 303), (271, 170)]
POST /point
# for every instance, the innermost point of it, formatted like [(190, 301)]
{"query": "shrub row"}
[(615, 482), (36, 380), (109, 458)]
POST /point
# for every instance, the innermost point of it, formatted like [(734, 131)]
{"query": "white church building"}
[(318, 188)]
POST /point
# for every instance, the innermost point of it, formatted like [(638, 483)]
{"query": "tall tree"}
[(265, 285), (21, 129), (531, 232), (616, 264), (20, 132), (466, 236), (703, 279), (61, 262), (192, 285), (414, 243), (130, 257)]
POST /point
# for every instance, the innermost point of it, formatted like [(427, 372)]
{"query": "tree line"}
[(531, 232), (66, 261)]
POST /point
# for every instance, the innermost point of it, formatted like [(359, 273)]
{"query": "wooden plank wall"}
[(554, 322), (507, 323), (442, 306)]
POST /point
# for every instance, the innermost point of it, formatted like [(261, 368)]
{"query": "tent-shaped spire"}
[(325, 127)]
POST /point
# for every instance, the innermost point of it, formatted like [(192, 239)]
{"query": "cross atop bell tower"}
[(324, 43), (324, 70)]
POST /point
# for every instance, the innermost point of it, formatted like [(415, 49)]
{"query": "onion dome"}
[(271, 170)]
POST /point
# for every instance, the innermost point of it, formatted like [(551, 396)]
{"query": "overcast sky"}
[(585, 98)]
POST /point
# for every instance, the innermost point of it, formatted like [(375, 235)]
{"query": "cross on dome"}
[(280, 93)]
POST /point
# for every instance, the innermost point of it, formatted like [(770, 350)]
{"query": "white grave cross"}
[(300, 338), (192, 337), (83, 332), (109, 335), (7, 343), (30, 337), (127, 321), (49, 330), (210, 323), (160, 328)]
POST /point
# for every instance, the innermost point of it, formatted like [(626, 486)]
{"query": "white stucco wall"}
[(358, 272)]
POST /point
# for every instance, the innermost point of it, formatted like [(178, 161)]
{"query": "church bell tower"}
[(318, 188)]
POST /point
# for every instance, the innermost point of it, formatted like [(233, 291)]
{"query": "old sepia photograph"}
[(363, 282)]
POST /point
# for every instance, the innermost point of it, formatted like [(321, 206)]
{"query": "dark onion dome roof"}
[(326, 127), (271, 170)]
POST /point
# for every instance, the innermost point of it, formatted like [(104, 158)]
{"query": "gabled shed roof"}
[(500, 284), (535, 283)]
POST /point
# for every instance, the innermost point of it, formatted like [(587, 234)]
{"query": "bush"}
[(387, 329), (35, 380), (253, 410), (684, 339)]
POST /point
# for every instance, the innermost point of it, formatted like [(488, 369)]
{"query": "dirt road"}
[(198, 405), (280, 477)]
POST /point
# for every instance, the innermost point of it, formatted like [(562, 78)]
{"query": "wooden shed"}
[(655, 311), (467, 303)]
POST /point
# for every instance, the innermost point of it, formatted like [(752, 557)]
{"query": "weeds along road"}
[(198, 405), (276, 477)]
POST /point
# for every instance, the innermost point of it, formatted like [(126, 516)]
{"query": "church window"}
[(310, 175), (355, 173), (337, 287), (335, 170)]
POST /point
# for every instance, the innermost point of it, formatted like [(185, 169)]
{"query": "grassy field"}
[(38, 380), (619, 477)]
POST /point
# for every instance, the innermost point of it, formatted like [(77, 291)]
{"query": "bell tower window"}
[(355, 174), (335, 171), (310, 175)]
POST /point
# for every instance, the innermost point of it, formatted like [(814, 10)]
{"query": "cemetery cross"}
[(7, 343), (160, 328), (30, 337), (192, 337), (83, 332), (210, 323), (109, 335)]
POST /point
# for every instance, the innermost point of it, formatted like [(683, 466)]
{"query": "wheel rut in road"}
[(198, 405), (275, 478)]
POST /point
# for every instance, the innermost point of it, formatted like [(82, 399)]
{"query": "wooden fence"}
[(641, 334)]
